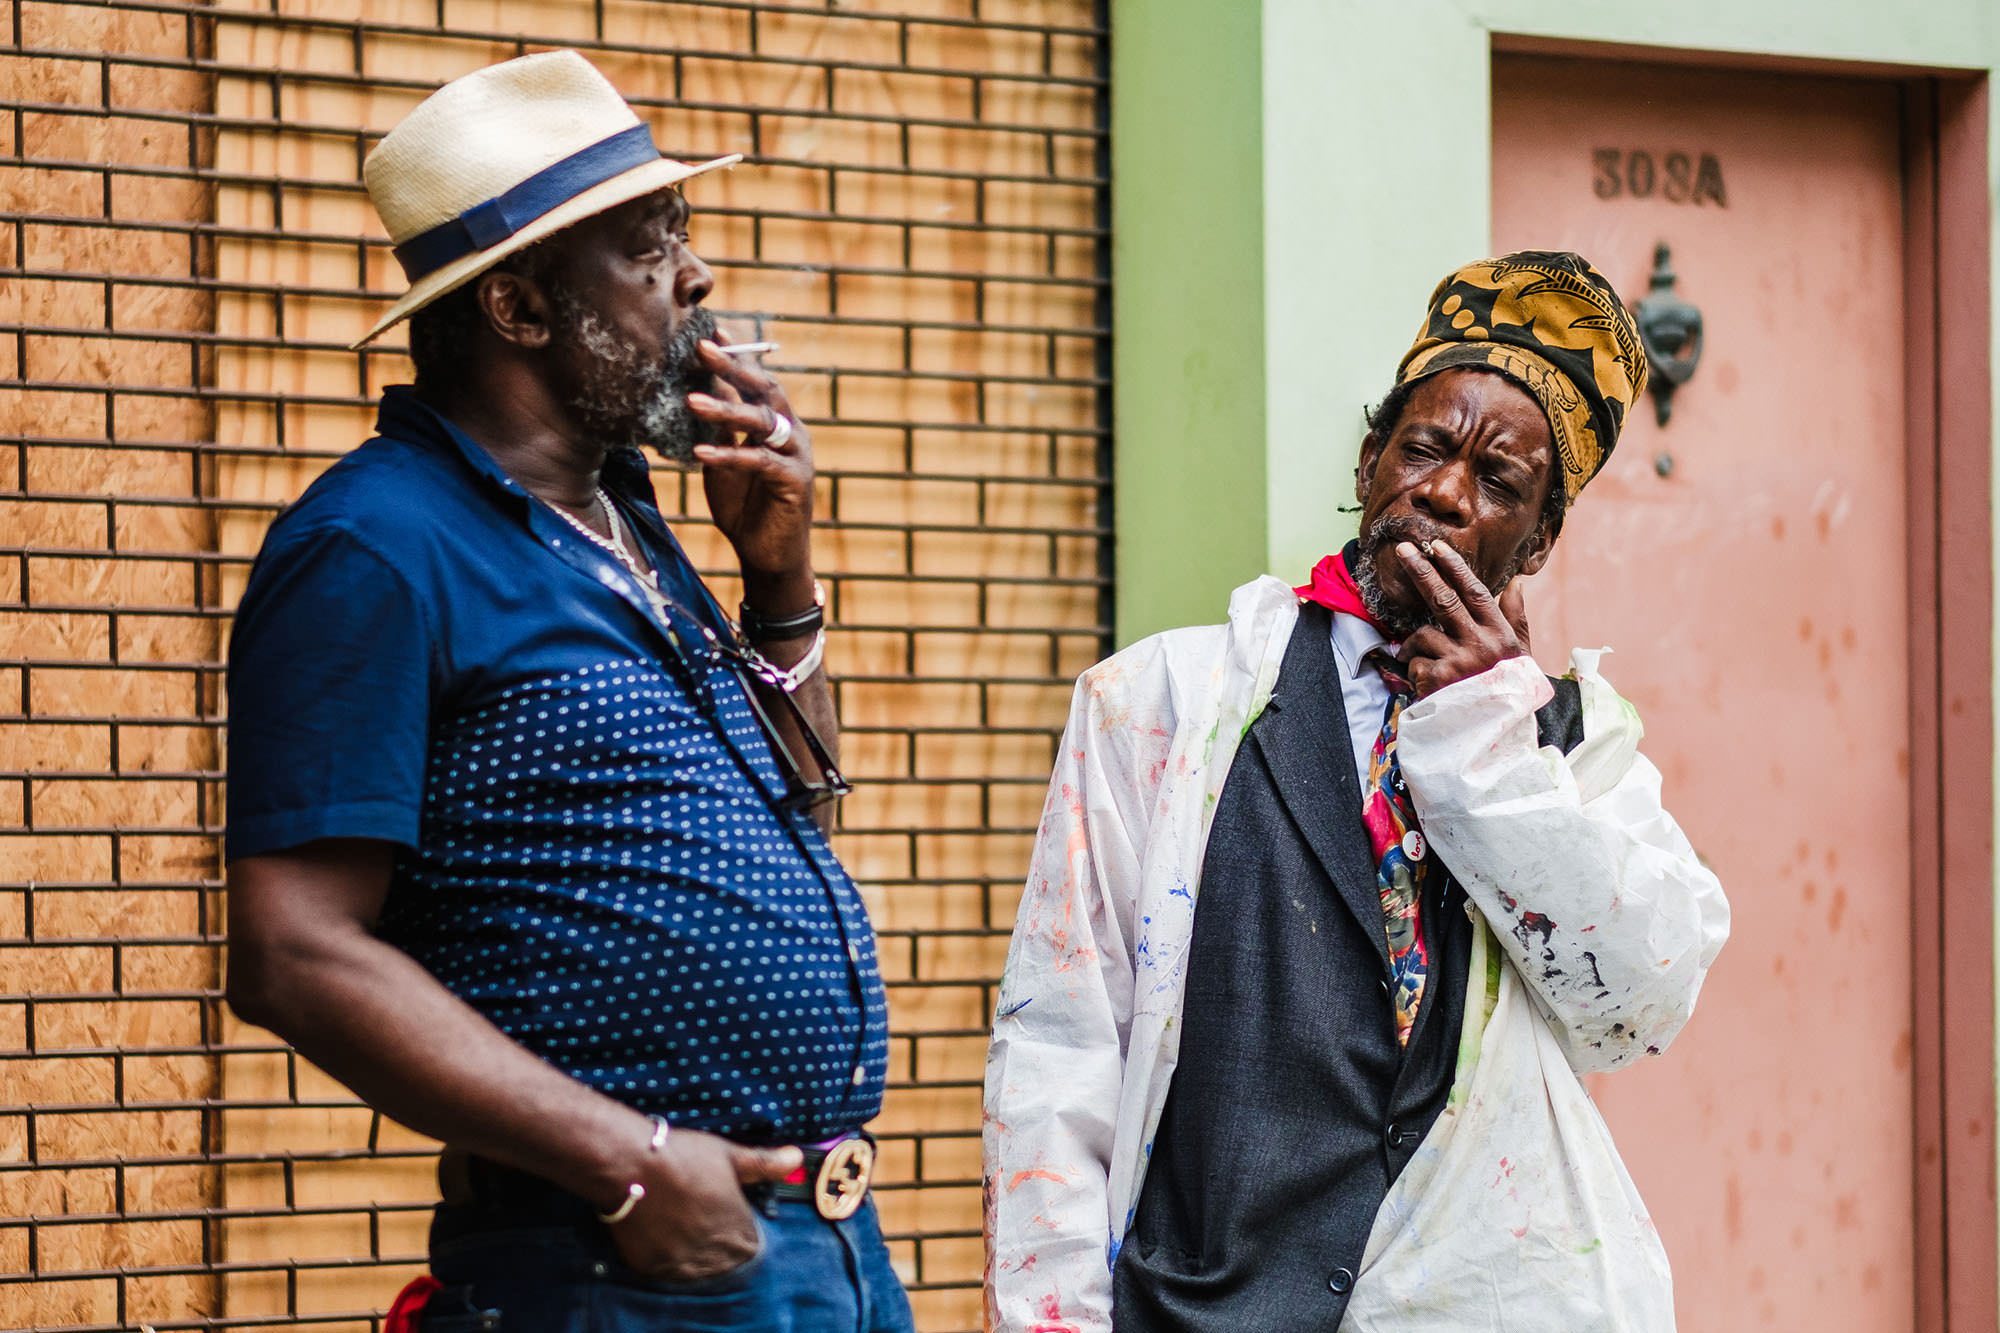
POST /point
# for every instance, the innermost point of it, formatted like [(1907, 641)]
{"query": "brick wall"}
[(106, 964), (919, 222)]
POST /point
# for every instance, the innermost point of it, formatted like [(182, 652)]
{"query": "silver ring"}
[(781, 433)]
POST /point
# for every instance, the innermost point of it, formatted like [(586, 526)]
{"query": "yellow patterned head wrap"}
[(1551, 322)]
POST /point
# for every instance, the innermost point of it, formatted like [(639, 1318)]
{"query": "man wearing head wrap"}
[(1233, 1010)]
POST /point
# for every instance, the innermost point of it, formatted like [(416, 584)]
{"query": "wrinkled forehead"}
[(662, 211), (1485, 405), (668, 206)]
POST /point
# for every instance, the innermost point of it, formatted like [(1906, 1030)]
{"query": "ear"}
[(1540, 545), (1364, 472), (516, 308)]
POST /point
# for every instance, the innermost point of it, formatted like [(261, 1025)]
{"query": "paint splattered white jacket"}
[(1086, 1032)]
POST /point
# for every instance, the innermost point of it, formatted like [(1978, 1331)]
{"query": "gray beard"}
[(1400, 622), (625, 398)]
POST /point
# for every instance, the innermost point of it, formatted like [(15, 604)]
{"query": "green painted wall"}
[(1187, 264), (1376, 184)]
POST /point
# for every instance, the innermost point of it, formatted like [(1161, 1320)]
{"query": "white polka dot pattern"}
[(599, 875)]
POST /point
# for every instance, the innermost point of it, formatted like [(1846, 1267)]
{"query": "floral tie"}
[(1402, 861)]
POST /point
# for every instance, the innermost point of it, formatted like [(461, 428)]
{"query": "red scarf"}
[(1333, 587)]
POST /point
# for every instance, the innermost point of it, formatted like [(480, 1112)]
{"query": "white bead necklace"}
[(649, 584), (649, 579)]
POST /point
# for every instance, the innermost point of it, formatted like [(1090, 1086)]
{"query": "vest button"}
[(1341, 1282)]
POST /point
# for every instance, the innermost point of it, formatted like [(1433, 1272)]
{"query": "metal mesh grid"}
[(921, 222)]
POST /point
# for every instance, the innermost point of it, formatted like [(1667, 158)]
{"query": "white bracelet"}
[(636, 1191), (633, 1193), (802, 670)]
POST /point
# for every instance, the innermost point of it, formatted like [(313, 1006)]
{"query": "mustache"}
[(1393, 528), (681, 358)]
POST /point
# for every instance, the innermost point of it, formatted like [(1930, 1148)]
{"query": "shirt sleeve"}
[(330, 673)]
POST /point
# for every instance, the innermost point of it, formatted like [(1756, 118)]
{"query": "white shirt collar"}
[(1353, 639)]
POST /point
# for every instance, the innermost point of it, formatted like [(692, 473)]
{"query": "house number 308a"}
[(1679, 178)]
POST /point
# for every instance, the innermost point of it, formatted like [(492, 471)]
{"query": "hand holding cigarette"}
[(1474, 631)]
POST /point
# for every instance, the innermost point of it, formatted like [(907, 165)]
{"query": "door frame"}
[(1947, 334)]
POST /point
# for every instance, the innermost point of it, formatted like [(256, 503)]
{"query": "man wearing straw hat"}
[(521, 836), (1331, 905)]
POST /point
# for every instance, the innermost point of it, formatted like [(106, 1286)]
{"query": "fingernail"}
[(708, 345), (701, 400), (1405, 548)]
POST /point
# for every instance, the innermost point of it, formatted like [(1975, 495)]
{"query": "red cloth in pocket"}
[(409, 1304)]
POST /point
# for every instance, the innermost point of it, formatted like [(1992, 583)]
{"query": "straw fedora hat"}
[(494, 161)]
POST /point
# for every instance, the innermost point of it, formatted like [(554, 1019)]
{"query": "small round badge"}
[(1413, 845)]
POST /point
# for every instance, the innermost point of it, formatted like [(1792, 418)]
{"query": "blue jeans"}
[(554, 1276)]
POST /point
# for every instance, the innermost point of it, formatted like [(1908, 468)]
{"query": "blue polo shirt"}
[(589, 851)]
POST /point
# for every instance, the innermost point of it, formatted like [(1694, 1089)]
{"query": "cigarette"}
[(745, 349)]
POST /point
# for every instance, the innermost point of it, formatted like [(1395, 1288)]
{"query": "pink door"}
[(1748, 563)]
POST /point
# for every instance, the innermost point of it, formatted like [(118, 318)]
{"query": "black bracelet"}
[(772, 629)]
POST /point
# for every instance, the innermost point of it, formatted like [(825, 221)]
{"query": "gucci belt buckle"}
[(843, 1178)]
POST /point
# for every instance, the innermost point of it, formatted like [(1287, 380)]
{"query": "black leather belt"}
[(834, 1180)]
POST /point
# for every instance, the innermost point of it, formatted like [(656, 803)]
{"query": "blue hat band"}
[(486, 225)]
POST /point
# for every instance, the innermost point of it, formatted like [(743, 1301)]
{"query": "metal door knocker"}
[(1670, 331)]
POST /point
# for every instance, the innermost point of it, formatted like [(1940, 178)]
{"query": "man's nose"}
[(1446, 494), (695, 281)]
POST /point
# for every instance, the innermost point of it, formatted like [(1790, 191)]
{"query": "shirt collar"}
[(1353, 639), (406, 417)]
